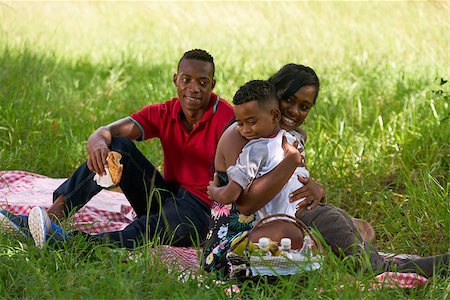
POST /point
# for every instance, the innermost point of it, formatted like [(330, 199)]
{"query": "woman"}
[(297, 88)]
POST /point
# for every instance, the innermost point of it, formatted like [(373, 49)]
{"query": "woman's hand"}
[(311, 191)]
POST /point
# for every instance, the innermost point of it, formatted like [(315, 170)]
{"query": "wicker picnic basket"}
[(250, 265)]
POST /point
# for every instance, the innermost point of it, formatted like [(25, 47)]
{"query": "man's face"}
[(194, 82), (254, 121)]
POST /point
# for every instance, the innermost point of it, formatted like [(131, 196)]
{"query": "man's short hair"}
[(261, 91), (198, 54)]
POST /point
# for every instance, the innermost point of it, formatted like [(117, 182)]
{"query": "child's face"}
[(295, 109), (255, 122)]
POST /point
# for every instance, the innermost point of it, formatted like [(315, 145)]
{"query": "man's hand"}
[(99, 141), (311, 191), (97, 150)]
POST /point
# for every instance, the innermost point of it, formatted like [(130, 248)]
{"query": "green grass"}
[(378, 138)]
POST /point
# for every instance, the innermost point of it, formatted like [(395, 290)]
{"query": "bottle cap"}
[(285, 242), (263, 242)]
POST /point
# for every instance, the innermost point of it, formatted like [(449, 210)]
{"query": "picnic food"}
[(114, 166), (241, 242), (273, 248)]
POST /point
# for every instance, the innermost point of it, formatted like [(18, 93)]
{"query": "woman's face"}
[(295, 109)]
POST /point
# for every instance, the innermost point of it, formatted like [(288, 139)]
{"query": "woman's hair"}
[(291, 77)]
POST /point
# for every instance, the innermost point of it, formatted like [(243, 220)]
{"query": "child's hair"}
[(291, 77), (261, 91), (197, 54)]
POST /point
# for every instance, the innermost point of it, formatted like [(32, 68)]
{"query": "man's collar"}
[(210, 110)]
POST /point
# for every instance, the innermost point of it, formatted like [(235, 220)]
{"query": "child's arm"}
[(225, 194), (242, 174), (264, 188)]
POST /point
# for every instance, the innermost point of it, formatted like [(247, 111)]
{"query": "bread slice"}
[(114, 166)]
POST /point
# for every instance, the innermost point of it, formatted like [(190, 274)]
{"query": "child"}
[(257, 114)]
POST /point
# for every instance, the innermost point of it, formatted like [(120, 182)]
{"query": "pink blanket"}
[(109, 211)]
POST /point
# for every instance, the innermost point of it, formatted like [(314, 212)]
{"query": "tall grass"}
[(378, 138)]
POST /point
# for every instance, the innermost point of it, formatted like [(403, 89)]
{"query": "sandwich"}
[(114, 166), (113, 171)]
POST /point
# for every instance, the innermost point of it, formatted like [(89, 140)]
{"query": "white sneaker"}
[(14, 224), (39, 223), (43, 229)]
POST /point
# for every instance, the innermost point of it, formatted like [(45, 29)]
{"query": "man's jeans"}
[(169, 214)]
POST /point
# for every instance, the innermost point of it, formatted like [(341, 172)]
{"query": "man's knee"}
[(186, 235), (122, 144)]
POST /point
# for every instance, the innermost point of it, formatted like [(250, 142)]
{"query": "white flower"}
[(209, 259), (222, 231)]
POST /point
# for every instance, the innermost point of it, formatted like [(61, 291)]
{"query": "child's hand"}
[(213, 187), (223, 194), (292, 151), (311, 191)]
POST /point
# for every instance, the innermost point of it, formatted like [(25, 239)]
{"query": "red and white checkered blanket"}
[(20, 191), (109, 211)]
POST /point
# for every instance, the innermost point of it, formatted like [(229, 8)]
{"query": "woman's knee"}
[(334, 225), (327, 217)]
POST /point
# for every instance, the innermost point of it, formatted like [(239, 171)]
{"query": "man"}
[(173, 208)]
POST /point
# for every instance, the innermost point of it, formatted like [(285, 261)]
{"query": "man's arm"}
[(99, 141)]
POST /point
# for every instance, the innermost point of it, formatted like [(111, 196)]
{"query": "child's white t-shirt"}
[(259, 157)]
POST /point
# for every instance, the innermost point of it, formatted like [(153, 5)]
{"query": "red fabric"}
[(398, 280), (109, 211), (186, 154)]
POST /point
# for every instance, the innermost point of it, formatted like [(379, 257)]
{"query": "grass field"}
[(379, 136)]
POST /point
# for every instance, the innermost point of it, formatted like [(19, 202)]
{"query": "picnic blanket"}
[(109, 211)]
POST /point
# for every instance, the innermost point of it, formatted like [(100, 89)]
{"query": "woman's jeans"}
[(338, 231), (165, 214)]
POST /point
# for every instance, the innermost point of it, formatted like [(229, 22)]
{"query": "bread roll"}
[(114, 166)]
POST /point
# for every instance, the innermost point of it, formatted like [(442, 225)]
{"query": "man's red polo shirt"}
[(188, 157)]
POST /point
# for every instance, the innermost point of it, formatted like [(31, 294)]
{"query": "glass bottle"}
[(264, 245), (285, 247), (307, 248)]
